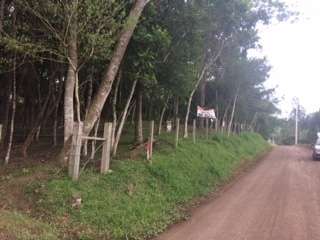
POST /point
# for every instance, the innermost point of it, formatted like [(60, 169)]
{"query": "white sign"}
[(209, 113)]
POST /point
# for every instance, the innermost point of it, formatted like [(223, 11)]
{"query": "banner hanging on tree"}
[(206, 113)]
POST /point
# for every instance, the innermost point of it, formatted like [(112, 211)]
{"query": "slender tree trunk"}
[(162, 115), (68, 103), (139, 127), (200, 78), (71, 85), (123, 119), (204, 69), (114, 109), (13, 112), (14, 97), (112, 69), (89, 97), (232, 113), (55, 117), (71, 78), (133, 113)]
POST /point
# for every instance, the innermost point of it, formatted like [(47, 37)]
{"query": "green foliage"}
[(148, 44), (138, 200), (44, 27)]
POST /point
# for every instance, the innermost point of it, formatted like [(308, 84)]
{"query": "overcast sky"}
[(293, 50)]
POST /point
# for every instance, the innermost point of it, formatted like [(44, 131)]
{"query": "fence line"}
[(107, 139)]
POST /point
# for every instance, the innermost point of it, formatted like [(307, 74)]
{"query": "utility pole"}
[(297, 106), (297, 127)]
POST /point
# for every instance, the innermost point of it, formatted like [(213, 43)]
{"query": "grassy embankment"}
[(138, 200)]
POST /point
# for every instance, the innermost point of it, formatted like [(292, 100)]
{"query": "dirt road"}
[(278, 200)]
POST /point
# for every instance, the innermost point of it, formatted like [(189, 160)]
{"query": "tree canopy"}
[(86, 60)]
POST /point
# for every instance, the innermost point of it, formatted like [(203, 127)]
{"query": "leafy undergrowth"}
[(138, 200), (16, 226)]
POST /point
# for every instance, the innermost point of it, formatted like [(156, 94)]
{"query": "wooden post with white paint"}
[(177, 133), (106, 148), (74, 162)]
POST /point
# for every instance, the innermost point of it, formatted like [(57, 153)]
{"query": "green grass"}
[(138, 200), (14, 225)]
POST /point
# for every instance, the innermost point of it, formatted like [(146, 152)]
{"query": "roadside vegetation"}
[(137, 199)]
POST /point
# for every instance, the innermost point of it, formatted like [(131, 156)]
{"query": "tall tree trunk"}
[(55, 117), (71, 77), (139, 127), (200, 78), (204, 69), (123, 119), (133, 112), (114, 109), (162, 115), (71, 85), (13, 112), (112, 69), (68, 103), (232, 113), (14, 96), (88, 103)]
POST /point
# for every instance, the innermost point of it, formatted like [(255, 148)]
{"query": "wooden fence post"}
[(207, 128), (106, 148), (194, 127), (151, 137), (74, 162), (177, 133)]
